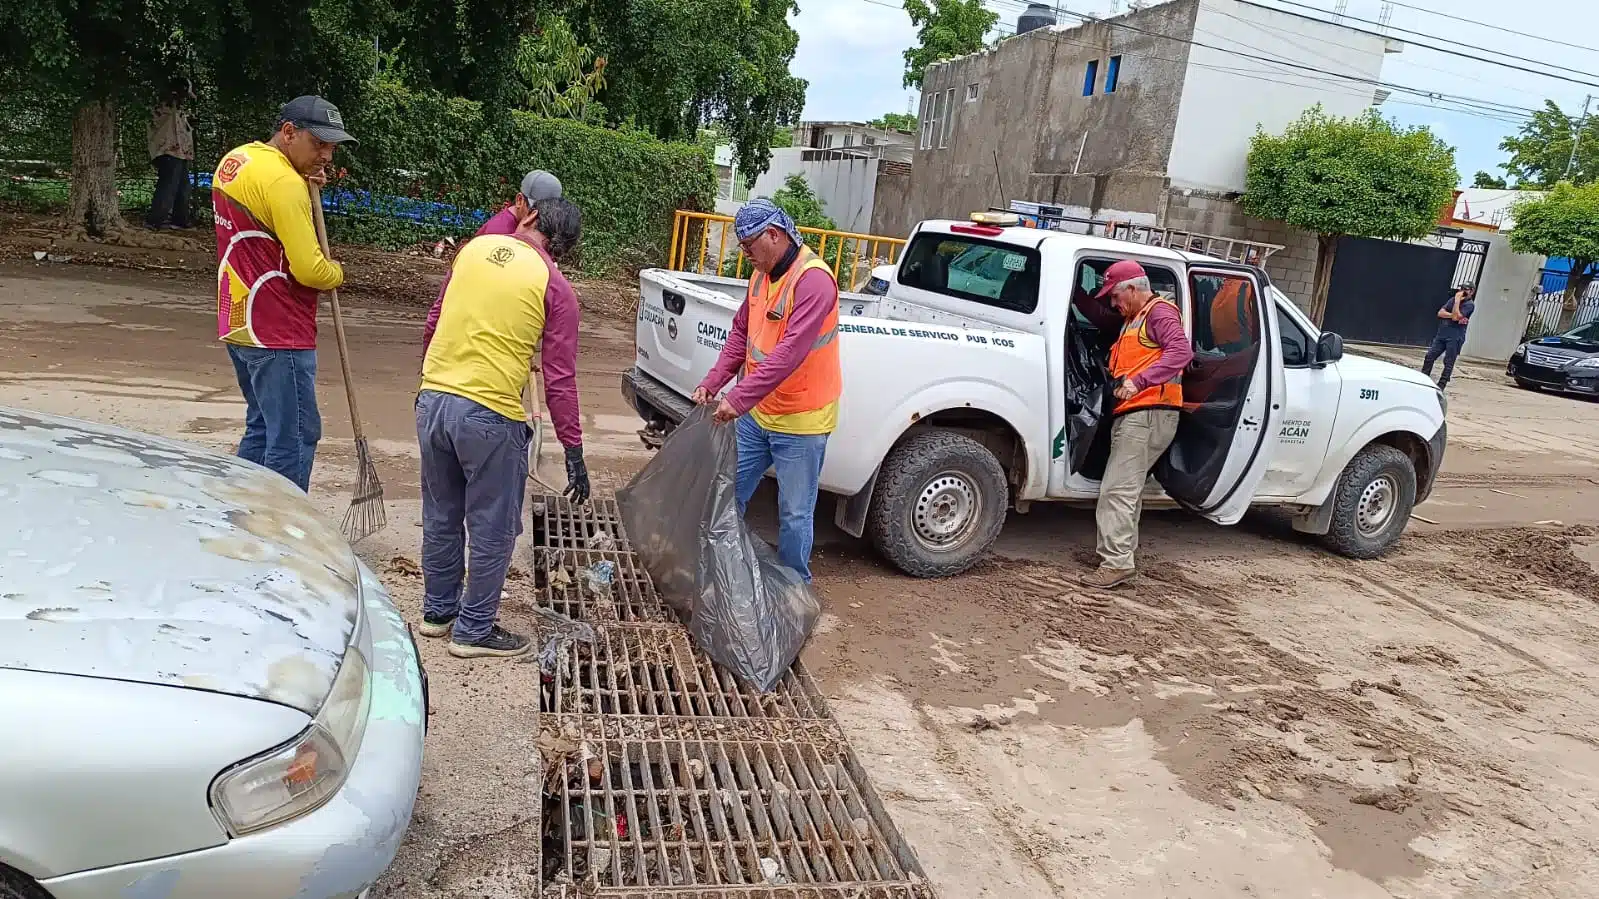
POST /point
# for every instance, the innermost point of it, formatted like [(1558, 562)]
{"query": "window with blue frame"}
[(1113, 73), (1090, 78)]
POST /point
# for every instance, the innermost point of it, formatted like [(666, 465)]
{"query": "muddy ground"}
[(1254, 718)]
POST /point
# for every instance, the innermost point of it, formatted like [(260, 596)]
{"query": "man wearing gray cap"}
[(270, 268), (536, 185)]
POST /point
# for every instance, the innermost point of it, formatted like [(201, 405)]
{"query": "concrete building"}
[(855, 138), (1144, 117)]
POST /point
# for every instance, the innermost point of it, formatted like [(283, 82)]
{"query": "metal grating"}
[(654, 671), (816, 891), (702, 813)]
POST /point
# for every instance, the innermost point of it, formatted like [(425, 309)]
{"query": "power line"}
[(1452, 52), (1445, 15)]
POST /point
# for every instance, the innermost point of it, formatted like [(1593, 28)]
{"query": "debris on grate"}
[(574, 581), (654, 671), (710, 814)]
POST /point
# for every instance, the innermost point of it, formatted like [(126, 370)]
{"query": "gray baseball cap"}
[(540, 185), (317, 116)]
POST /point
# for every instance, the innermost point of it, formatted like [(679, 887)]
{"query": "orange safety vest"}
[(818, 381), (1135, 351), (1232, 322)]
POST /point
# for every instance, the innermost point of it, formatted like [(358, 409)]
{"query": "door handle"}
[(674, 302)]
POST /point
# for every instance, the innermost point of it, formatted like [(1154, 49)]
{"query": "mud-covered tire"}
[(939, 504), (1372, 502)]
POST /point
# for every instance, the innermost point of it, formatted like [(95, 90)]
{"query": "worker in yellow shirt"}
[(505, 299), (270, 268)]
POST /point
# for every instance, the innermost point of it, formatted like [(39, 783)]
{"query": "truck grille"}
[(1546, 360)]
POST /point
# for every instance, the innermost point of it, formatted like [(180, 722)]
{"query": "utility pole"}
[(1576, 138)]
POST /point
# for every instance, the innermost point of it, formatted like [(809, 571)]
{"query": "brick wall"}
[(1292, 269)]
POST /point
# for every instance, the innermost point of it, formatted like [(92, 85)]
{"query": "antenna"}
[(1384, 17), (1339, 10)]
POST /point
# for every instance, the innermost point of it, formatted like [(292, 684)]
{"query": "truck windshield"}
[(995, 274)]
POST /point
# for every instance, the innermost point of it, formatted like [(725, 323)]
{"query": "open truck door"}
[(1232, 395)]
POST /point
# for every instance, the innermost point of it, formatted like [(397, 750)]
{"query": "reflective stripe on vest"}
[(1134, 352), (817, 381)]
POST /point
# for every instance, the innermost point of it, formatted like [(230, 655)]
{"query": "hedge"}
[(458, 158), (457, 153)]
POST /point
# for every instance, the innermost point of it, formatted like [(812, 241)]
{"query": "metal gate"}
[(1548, 314), (1469, 262), (1384, 291)]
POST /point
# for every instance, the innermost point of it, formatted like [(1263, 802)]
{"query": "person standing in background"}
[(171, 143), (1452, 321), (785, 338), (270, 268)]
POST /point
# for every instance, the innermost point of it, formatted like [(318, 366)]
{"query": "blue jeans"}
[(797, 461), (281, 421), (474, 475), (1447, 346)]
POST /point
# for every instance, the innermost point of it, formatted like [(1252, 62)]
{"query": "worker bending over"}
[(1146, 367), (785, 338), (506, 298)]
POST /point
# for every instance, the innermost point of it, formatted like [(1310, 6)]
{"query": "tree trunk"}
[(1326, 252), (92, 202), (1582, 275)]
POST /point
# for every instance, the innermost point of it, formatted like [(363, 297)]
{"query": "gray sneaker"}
[(499, 644), (1107, 578)]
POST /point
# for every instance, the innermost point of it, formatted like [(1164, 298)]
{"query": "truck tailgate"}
[(682, 325)]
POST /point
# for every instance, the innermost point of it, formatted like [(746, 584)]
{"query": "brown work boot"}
[(1107, 578)]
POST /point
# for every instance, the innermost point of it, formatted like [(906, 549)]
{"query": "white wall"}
[(1503, 297), (1225, 96), (846, 187)]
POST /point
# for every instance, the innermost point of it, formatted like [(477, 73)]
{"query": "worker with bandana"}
[(785, 338)]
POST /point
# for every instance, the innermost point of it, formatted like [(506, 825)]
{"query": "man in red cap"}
[(1146, 368)]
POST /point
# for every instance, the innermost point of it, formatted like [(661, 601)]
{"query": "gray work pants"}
[(1137, 440), (474, 476)]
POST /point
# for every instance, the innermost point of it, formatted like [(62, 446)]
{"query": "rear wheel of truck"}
[(1372, 502), (939, 504)]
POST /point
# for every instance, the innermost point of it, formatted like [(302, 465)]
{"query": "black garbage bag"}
[(749, 612), (1088, 402)]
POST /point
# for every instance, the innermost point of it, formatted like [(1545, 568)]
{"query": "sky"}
[(850, 51)]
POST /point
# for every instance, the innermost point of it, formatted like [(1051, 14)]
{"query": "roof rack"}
[(1054, 218)]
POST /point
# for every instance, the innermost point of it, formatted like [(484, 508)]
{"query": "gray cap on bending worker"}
[(536, 185)]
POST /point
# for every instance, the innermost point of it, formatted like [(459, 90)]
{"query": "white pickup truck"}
[(973, 385)]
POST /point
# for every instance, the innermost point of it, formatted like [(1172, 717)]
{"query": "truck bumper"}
[(653, 401)]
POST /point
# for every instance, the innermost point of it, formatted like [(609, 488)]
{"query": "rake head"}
[(366, 515)]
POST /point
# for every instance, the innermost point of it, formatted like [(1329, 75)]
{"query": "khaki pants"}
[(1136, 441)]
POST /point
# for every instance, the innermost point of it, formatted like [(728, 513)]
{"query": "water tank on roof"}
[(1037, 15)]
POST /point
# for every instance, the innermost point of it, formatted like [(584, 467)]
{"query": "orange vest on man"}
[(818, 382), (1134, 352)]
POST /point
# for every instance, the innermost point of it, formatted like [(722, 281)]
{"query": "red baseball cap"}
[(1122, 270)]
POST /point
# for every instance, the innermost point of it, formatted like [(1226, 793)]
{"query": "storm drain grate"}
[(654, 671), (563, 579), (700, 813), (559, 524)]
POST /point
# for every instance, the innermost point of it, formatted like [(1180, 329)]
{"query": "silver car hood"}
[(127, 556)]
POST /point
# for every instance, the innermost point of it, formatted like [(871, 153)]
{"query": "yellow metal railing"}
[(704, 243)]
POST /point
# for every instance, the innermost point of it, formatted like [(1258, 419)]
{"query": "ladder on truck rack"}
[(1232, 249)]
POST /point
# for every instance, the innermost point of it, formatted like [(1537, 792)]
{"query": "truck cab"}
[(975, 383)]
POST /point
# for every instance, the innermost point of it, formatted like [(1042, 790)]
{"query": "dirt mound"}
[(1544, 556)]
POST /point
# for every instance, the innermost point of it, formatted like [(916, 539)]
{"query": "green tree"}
[(1491, 182), (99, 56), (465, 48), (1365, 176), (1564, 223), (560, 77), (895, 121), (944, 29), (797, 199), (675, 66), (1540, 153)]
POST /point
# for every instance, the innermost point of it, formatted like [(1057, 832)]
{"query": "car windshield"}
[(1588, 333)]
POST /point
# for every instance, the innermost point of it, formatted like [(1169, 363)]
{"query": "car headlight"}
[(299, 776), (1520, 350), (1589, 363)]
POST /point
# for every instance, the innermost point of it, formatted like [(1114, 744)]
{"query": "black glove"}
[(577, 475)]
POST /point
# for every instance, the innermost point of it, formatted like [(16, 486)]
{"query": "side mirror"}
[(1329, 348)]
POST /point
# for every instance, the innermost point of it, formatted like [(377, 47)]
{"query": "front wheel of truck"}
[(1372, 502), (939, 504)]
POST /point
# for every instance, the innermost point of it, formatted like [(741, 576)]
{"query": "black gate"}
[(1468, 265), (1383, 291)]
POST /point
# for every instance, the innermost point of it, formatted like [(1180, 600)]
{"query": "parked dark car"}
[(1568, 363)]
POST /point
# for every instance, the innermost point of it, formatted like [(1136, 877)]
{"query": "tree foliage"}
[(895, 121), (677, 65), (797, 199), (1488, 181), (944, 29), (561, 78), (1564, 223), (1540, 152), (1365, 176)]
